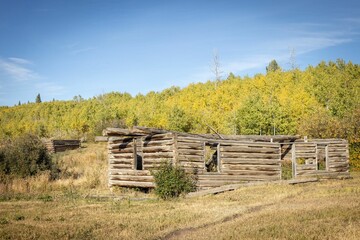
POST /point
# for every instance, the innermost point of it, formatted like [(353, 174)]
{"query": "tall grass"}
[(84, 170)]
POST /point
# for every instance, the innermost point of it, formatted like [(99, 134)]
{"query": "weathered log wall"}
[(133, 154), (54, 146), (132, 158), (328, 158)]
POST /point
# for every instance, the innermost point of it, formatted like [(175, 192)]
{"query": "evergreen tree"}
[(38, 98), (273, 66)]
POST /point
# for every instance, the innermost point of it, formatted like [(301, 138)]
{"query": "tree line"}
[(319, 101)]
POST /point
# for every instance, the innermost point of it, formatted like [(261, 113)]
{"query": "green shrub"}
[(354, 150), (25, 156), (172, 181)]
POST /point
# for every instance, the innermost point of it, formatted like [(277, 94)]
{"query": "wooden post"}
[(316, 157), (134, 154), (327, 157), (175, 150), (218, 158), (280, 161), (293, 160)]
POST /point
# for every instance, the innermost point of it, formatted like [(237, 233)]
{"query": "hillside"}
[(320, 101)]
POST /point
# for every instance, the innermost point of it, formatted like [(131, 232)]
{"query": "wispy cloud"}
[(76, 48), (17, 70), (82, 50)]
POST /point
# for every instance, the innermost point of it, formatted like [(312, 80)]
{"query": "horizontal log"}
[(304, 155), (214, 183), (132, 178), (158, 143), (250, 144), (120, 139), (158, 155), (194, 158), (188, 141), (158, 136), (251, 167), (338, 160), (335, 165), (191, 165), (250, 172), (322, 173), (190, 146), (156, 160), (306, 167), (121, 161), (120, 166), (131, 184), (122, 150), (121, 145), (338, 154), (121, 155), (150, 149), (129, 172), (244, 149), (249, 155), (250, 161), (191, 152)]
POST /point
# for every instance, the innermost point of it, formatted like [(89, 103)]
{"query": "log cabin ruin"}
[(221, 159), (55, 146)]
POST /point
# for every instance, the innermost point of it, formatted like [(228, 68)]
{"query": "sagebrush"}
[(172, 181)]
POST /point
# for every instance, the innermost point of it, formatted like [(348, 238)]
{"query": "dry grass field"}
[(38, 209)]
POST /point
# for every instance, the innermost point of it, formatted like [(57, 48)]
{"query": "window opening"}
[(321, 157), (212, 157), (138, 159)]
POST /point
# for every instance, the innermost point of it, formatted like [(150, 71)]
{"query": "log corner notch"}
[(220, 159)]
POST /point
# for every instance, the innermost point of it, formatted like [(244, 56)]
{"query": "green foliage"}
[(25, 156), (355, 156), (273, 66), (38, 98), (172, 181), (320, 101)]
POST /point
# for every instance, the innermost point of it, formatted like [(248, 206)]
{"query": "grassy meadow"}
[(36, 208)]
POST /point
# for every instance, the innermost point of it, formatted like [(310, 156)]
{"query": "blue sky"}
[(62, 48)]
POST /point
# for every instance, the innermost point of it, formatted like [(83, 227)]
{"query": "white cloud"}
[(19, 60), (13, 67)]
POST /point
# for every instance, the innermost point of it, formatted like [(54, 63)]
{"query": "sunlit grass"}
[(38, 209)]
